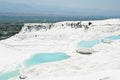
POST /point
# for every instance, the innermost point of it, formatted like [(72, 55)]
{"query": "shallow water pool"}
[(34, 60), (89, 44), (8, 75), (113, 37), (45, 57)]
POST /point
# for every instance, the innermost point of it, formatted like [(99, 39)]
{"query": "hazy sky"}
[(110, 6)]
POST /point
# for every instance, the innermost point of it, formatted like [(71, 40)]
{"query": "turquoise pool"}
[(45, 57), (34, 60), (113, 37), (8, 75), (89, 44)]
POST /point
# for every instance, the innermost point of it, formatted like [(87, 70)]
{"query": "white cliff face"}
[(32, 27), (98, 29), (28, 27), (62, 37)]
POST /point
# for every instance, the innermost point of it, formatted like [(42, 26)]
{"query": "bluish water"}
[(34, 60), (45, 57), (89, 44), (8, 75), (113, 37)]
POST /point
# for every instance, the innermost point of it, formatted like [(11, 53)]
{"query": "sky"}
[(76, 7)]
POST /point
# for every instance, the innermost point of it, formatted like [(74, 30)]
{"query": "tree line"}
[(9, 29)]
